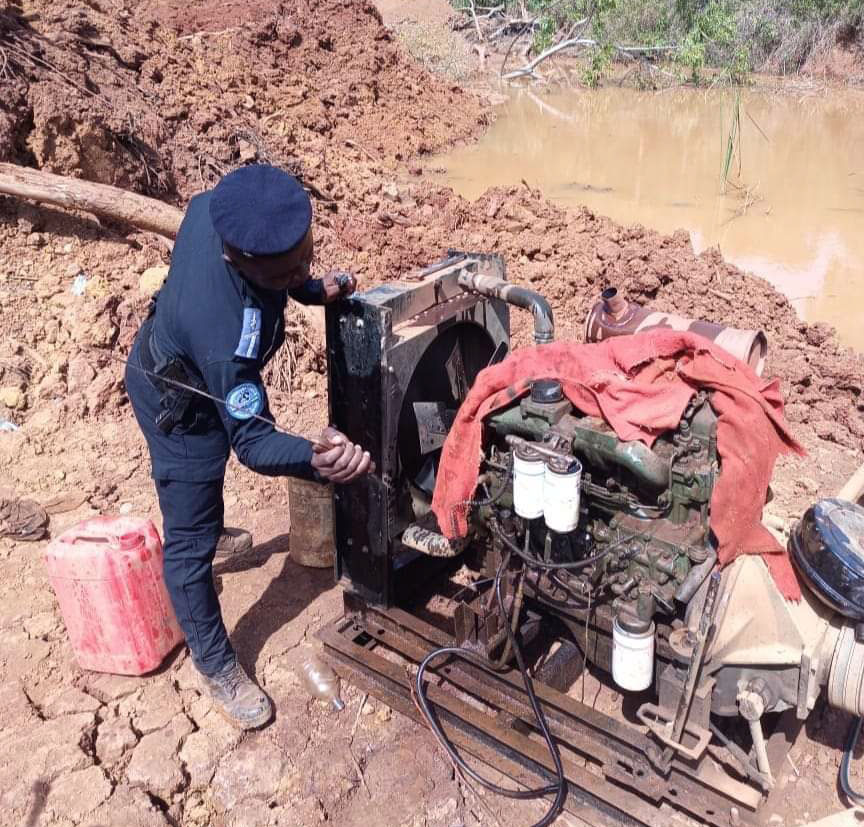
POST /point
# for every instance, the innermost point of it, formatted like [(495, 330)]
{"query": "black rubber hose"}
[(542, 564), (560, 785), (845, 783)]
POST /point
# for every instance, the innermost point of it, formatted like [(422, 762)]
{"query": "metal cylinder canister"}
[(528, 475), (613, 315), (310, 505), (632, 653), (561, 494)]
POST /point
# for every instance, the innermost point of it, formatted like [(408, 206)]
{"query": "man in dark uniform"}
[(242, 250)]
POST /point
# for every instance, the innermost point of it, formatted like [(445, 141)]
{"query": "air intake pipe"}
[(497, 288)]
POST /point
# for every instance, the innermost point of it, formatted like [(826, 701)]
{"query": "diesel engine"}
[(583, 550)]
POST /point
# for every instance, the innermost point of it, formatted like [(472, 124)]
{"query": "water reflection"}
[(796, 217)]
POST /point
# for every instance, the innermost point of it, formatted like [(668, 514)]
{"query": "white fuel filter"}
[(632, 653), (561, 486), (528, 473)]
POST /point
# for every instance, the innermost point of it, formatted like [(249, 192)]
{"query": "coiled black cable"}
[(560, 785)]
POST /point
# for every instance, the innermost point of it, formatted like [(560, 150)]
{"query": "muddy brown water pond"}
[(791, 212)]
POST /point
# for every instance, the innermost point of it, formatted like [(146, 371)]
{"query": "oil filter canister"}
[(528, 473), (561, 489), (632, 652)]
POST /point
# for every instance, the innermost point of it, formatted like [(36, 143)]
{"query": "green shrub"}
[(733, 36)]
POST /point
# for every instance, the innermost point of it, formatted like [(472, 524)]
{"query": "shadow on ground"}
[(289, 591)]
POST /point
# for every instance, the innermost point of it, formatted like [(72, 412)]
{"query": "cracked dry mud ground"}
[(88, 749), (324, 87)]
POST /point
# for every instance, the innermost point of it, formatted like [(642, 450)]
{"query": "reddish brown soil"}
[(164, 97)]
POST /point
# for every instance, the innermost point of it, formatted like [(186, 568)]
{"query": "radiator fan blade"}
[(434, 420), (455, 367)]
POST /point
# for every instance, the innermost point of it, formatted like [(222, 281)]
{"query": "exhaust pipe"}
[(497, 288), (613, 315)]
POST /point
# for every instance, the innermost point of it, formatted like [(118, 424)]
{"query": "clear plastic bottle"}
[(321, 681)]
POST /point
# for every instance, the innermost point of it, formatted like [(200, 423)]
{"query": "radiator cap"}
[(827, 549)]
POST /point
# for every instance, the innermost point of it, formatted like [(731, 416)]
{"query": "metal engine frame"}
[(617, 773), (610, 766)]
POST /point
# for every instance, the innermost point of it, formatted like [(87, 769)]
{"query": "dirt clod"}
[(114, 739), (78, 794), (155, 766), (69, 701), (252, 771)]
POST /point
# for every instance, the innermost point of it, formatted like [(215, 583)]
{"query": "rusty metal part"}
[(430, 542), (695, 665), (671, 733), (696, 577), (449, 260), (742, 759), (528, 449), (621, 785), (693, 748), (613, 315), (494, 287), (562, 667)]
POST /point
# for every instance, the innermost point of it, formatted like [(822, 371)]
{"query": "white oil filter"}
[(561, 487), (528, 473), (632, 653)]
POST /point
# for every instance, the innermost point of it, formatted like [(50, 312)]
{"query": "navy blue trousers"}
[(192, 514)]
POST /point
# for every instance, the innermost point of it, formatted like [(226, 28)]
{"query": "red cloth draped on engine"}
[(641, 386)]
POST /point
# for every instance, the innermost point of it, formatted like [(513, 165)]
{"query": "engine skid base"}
[(610, 765)]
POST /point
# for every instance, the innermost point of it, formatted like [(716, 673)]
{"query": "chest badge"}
[(250, 336)]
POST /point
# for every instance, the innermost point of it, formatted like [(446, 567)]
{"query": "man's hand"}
[(338, 460), (338, 285)]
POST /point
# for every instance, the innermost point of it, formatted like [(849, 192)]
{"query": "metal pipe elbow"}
[(497, 288)]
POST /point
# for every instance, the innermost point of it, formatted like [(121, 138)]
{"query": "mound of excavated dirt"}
[(122, 96), (165, 100), (170, 97)]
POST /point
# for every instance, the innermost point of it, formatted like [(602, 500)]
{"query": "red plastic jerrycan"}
[(107, 575)]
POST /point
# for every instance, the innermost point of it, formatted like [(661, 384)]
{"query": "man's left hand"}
[(338, 285)]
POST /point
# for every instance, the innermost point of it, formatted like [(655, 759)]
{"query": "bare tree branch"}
[(529, 68)]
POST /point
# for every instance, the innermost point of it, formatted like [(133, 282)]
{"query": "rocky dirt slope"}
[(163, 97)]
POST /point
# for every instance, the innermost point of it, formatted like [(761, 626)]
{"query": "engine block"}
[(647, 507)]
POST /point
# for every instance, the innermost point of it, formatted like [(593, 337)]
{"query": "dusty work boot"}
[(238, 698), (233, 541)]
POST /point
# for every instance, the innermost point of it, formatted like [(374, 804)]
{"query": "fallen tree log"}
[(74, 194), (111, 202)]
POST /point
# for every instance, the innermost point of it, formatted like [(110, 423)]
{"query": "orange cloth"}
[(641, 386)]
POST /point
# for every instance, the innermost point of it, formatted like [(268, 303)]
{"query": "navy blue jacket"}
[(225, 330)]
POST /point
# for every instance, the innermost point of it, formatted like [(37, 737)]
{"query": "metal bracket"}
[(661, 726)]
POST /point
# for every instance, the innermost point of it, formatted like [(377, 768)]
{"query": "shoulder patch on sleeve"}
[(245, 401), (250, 337)]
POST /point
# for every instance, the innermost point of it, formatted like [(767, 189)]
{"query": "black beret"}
[(260, 210)]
